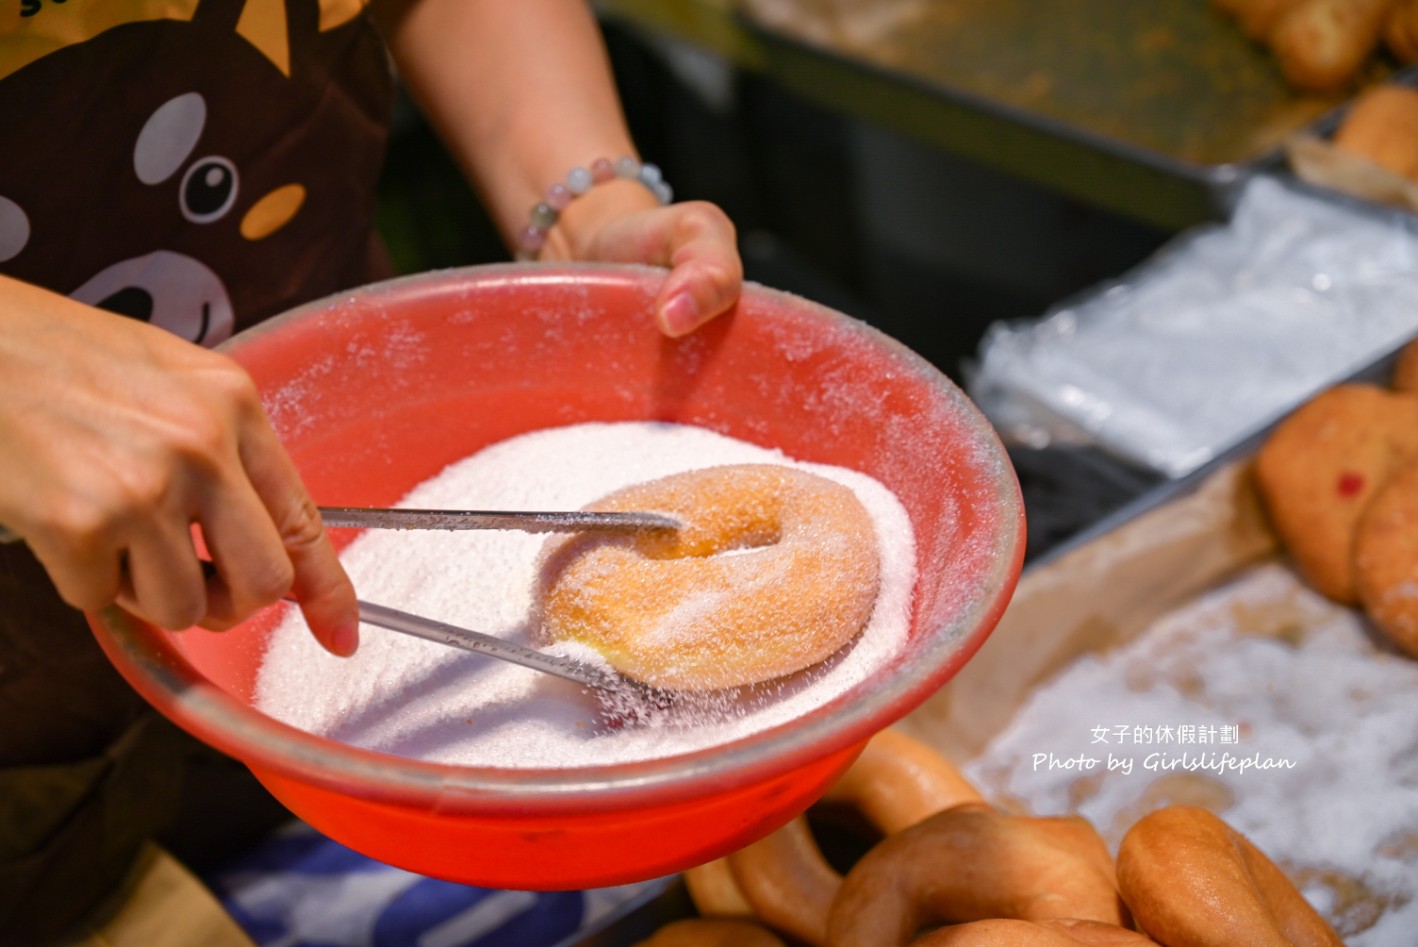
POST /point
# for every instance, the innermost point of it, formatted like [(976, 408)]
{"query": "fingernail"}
[(680, 315), (345, 640)]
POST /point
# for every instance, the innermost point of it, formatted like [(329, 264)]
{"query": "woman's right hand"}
[(117, 438)]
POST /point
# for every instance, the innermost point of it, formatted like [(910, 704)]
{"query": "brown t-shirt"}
[(199, 164)]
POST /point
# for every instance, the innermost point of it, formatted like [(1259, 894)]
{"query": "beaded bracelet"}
[(578, 181)]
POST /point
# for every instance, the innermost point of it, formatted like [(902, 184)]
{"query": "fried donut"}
[(1191, 880), (1321, 45), (773, 570), (973, 862), (1051, 932), (714, 892), (787, 881), (1386, 559), (898, 781), (1256, 17), (1321, 466), (894, 782), (1401, 31), (1382, 127), (712, 932), (1405, 369)]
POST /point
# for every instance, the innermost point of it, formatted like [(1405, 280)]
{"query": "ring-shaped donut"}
[(712, 932), (1405, 367), (1191, 880), (785, 881), (773, 570), (973, 862), (1050, 932), (714, 891), (897, 780)]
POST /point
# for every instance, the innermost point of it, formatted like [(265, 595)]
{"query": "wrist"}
[(564, 225)]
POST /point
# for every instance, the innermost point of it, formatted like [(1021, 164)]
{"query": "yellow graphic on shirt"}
[(32, 29), (272, 212), (263, 25)]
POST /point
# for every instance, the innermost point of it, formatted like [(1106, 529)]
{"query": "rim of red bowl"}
[(156, 668)]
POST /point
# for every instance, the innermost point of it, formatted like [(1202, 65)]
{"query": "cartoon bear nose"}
[(129, 301)]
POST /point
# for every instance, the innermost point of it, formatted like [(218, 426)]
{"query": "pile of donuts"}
[(1339, 480), (1324, 45), (951, 870)]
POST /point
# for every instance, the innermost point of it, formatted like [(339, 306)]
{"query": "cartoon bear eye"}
[(208, 189)]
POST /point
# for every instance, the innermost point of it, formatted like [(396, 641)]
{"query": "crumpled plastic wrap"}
[(1221, 332)]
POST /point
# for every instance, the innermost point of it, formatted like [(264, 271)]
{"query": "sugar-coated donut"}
[(894, 782), (712, 932), (1051, 932), (773, 570), (1386, 559), (1322, 465), (973, 862), (1191, 880)]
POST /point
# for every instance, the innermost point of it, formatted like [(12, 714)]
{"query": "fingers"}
[(161, 578), (318, 580), (706, 273), (86, 579), (697, 241), (252, 568)]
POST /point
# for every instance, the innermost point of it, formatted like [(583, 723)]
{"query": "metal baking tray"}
[(1158, 111)]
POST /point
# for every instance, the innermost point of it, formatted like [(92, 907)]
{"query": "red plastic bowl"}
[(377, 390)]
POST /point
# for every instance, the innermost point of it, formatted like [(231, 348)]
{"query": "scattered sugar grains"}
[(1323, 773), (427, 701)]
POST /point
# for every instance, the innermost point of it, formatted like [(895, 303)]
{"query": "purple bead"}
[(558, 196), (532, 240)]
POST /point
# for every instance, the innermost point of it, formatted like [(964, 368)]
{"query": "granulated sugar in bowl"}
[(388, 389)]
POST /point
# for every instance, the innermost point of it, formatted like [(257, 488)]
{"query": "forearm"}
[(520, 92)]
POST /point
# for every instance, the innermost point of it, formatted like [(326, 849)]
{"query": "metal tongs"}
[(604, 681), (364, 517), (528, 522)]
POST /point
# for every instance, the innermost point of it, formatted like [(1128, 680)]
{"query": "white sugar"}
[(428, 701)]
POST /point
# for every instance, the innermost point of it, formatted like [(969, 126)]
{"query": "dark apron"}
[(269, 203)]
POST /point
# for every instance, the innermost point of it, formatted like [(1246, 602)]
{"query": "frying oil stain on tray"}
[(428, 701)]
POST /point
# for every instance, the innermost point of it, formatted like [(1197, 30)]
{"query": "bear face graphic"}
[(204, 184)]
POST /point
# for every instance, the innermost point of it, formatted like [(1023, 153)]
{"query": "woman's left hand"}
[(695, 239)]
